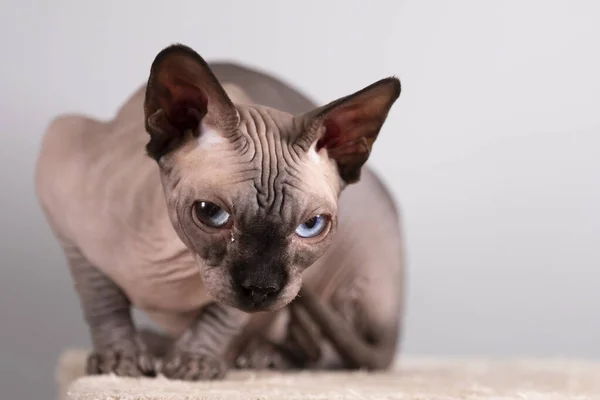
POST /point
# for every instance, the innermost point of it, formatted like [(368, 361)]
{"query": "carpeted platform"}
[(422, 379)]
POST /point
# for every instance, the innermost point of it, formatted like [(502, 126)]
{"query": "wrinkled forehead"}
[(264, 123), (281, 165), (261, 173)]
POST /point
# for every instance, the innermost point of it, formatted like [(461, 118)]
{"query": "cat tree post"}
[(413, 378)]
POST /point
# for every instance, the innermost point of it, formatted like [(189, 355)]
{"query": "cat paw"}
[(187, 366), (127, 358), (262, 354)]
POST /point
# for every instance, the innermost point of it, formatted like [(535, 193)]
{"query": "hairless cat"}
[(239, 215)]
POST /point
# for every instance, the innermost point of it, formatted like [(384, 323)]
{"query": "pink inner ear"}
[(186, 107), (341, 126), (332, 136)]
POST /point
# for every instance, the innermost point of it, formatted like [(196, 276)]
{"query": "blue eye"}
[(312, 227), (211, 214)]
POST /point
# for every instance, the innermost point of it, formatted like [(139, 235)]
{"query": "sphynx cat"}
[(237, 214)]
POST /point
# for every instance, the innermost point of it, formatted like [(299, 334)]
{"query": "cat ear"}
[(348, 127), (181, 92)]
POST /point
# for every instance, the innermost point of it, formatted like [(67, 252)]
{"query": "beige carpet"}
[(422, 379)]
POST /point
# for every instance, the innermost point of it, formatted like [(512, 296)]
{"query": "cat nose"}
[(258, 294)]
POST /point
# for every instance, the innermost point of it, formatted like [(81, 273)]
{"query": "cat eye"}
[(211, 214), (312, 227)]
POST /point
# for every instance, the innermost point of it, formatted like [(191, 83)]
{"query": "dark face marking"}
[(260, 262)]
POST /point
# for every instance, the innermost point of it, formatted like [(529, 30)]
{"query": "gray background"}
[(493, 150)]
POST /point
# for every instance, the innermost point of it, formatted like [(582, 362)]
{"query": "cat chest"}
[(168, 287), (155, 281)]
